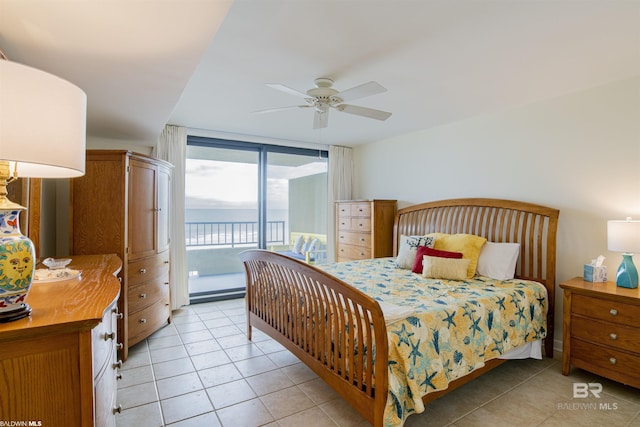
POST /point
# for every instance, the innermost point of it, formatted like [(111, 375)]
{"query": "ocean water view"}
[(228, 215), (232, 227)]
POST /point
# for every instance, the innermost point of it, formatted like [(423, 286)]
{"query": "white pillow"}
[(297, 246), (498, 260), (409, 248)]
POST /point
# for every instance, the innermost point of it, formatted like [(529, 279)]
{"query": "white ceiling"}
[(145, 63)]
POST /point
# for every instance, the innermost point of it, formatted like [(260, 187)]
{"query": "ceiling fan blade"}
[(363, 111), (365, 89), (287, 89), (271, 110), (320, 119)]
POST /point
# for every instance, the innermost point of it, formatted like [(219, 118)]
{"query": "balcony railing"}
[(231, 234)]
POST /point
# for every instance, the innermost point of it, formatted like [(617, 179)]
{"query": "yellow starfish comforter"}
[(450, 329)]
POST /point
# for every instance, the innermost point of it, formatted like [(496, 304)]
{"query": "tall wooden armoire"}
[(121, 205)]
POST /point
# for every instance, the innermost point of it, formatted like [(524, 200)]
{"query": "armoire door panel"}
[(142, 212)]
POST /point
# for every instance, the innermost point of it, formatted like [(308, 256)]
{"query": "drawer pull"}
[(613, 312), (361, 253), (142, 296), (143, 270), (166, 262), (166, 283), (119, 346), (143, 320), (118, 377), (613, 336), (117, 409), (111, 336), (362, 239), (117, 365), (612, 360)]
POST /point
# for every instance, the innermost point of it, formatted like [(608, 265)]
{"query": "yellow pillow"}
[(445, 268), (468, 244)]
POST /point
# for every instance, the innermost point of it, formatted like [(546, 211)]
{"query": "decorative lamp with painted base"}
[(42, 135)]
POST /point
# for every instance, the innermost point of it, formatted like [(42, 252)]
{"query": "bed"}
[(343, 334)]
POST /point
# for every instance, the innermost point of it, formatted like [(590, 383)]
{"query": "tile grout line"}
[(452, 423)]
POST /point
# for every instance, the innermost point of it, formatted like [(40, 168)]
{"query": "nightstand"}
[(601, 330)]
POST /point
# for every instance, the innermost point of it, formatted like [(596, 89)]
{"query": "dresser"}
[(601, 330), (58, 366), (364, 229), (121, 205)]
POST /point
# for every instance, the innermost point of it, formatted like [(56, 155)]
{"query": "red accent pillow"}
[(424, 250)]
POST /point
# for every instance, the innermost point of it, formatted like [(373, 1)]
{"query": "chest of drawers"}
[(601, 330), (364, 229), (58, 366)]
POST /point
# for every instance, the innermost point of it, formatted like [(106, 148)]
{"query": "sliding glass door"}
[(241, 196)]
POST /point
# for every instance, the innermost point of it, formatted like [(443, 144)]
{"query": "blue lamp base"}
[(627, 276)]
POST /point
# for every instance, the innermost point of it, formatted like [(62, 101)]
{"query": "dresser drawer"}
[(361, 209), (146, 321), (610, 311), (356, 239), (105, 390), (148, 268), (355, 224), (147, 293), (103, 339), (353, 252), (606, 333), (607, 362)]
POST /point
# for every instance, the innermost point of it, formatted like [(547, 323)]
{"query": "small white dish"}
[(55, 264)]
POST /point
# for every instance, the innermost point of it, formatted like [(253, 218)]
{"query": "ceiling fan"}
[(324, 97)]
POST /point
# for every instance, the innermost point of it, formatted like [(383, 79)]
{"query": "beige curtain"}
[(340, 187), (172, 147)]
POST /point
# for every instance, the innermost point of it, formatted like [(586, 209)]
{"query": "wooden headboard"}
[(531, 225)]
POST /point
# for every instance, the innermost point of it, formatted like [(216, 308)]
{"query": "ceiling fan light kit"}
[(324, 96)]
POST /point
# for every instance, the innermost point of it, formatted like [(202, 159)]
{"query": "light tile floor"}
[(201, 371)]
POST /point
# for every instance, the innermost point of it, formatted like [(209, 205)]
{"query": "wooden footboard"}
[(336, 330)]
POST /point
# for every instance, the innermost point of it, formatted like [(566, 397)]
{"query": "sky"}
[(234, 185)]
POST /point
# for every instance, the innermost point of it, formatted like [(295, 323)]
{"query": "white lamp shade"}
[(42, 122), (624, 236)]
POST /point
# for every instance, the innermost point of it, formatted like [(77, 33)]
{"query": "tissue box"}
[(594, 273)]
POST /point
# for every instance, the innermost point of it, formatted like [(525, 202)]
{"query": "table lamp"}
[(42, 135), (624, 236)]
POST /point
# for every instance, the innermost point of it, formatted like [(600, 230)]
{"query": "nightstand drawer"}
[(604, 361), (606, 333), (607, 310)]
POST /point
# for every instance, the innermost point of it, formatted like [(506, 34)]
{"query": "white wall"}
[(579, 153)]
